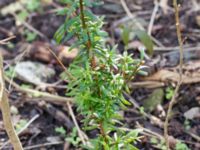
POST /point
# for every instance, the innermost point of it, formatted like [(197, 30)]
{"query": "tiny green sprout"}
[(60, 130), (169, 93), (26, 86), (10, 72), (73, 138), (126, 36), (141, 109), (22, 15), (181, 146), (30, 36), (20, 124), (187, 124), (154, 141), (33, 5)]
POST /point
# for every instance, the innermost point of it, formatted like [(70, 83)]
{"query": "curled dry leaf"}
[(164, 5), (166, 75)]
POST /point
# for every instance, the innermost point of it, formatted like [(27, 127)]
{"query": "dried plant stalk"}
[(5, 108), (178, 30)]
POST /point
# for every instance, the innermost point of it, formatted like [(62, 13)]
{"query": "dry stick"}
[(176, 7), (5, 108), (4, 41), (43, 145), (153, 16), (44, 95), (80, 133)]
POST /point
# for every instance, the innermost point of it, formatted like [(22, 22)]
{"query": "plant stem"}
[(84, 25), (178, 30), (102, 131), (5, 108)]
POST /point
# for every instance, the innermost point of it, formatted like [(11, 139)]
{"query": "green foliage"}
[(128, 33), (73, 138), (33, 5), (22, 15), (10, 72), (160, 144), (30, 36), (145, 39), (20, 124), (98, 76), (187, 124), (61, 131), (169, 93), (181, 146)]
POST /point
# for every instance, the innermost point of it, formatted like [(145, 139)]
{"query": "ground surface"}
[(36, 32)]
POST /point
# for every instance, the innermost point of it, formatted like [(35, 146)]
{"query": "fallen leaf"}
[(65, 54), (164, 6), (192, 113), (155, 99), (166, 75)]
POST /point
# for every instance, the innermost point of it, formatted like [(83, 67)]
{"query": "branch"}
[(5, 108), (178, 30)]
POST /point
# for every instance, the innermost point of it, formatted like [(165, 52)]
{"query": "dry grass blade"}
[(4, 41), (5, 108)]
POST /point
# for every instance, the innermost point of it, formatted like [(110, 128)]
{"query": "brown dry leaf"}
[(166, 75), (40, 52), (198, 20), (164, 5), (65, 54)]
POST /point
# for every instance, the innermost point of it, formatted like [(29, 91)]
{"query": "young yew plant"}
[(97, 77)]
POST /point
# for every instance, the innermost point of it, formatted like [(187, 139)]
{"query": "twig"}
[(18, 133), (43, 145), (80, 133), (46, 96), (176, 48), (153, 16), (196, 137), (4, 41), (5, 108), (61, 64), (176, 7)]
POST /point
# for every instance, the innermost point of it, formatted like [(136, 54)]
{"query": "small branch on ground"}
[(173, 100), (5, 108)]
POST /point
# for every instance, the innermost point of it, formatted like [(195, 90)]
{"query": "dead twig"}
[(46, 96), (4, 41), (153, 16), (178, 29), (5, 108), (43, 145), (80, 133)]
